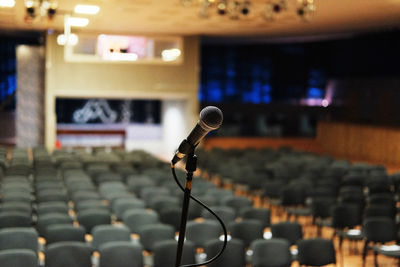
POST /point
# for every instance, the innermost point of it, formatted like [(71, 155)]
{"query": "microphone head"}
[(210, 118)]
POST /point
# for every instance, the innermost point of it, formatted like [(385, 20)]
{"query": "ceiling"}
[(170, 17)]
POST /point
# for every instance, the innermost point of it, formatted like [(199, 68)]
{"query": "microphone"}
[(210, 119)]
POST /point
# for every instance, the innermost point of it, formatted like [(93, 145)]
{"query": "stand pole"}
[(191, 165)]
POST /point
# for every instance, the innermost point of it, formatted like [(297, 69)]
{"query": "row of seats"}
[(359, 201), (18, 247), (135, 189)]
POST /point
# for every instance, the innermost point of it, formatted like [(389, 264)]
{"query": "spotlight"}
[(279, 6), (233, 10), (203, 13), (30, 11), (305, 9), (221, 7), (30, 6), (268, 13), (273, 8), (245, 7), (276, 8), (51, 11)]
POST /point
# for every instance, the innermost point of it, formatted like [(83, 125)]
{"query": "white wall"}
[(175, 85)]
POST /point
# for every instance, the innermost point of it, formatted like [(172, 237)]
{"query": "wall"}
[(360, 142), (303, 144), (116, 80), (30, 84)]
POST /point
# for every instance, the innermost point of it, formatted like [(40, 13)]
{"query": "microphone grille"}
[(211, 116)]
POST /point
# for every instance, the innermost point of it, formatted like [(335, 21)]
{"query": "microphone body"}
[(210, 119)]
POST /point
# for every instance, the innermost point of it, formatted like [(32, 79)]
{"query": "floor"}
[(352, 251), (351, 255)]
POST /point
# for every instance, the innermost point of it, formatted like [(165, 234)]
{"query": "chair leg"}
[(340, 244), (364, 255), (376, 258)]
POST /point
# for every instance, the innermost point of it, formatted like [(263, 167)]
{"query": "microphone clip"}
[(184, 149)]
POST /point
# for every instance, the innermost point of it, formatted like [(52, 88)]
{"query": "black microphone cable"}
[(213, 213)]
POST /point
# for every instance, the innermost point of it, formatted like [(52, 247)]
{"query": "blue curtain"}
[(8, 72)]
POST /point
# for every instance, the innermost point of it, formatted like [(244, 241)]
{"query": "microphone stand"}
[(191, 165)]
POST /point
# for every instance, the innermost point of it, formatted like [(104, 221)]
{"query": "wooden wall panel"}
[(304, 144), (360, 142)]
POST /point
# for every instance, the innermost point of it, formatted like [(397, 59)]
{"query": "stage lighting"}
[(51, 10), (87, 9), (7, 3), (203, 13), (30, 6), (305, 9), (273, 9), (245, 8), (234, 10), (221, 7)]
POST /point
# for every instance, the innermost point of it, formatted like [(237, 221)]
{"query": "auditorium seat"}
[(316, 252), (90, 204), (227, 214), (121, 254), (171, 216), (290, 231), (51, 195), (16, 206), (48, 219), (148, 193), (164, 253), (234, 254), (135, 184), (92, 217), (18, 258), (82, 195), (200, 232), (67, 254), (260, 214), (237, 203), (158, 203), (345, 217), (378, 230), (120, 206), (19, 238), (136, 219), (15, 219), (152, 233), (271, 253), (64, 232), (103, 234)]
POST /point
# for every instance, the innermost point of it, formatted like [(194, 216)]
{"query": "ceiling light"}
[(77, 22), (236, 9), (222, 7), (245, 7), (87, 9), (72, 39), (52, 9), (306, 9), (170, 54), (7, 3), (121, 56), (29, 3)]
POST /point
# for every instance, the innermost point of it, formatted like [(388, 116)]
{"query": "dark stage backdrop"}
[(292, 86), (90, 111)]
